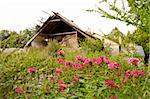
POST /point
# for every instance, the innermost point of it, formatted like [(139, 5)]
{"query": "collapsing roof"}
[(58, 25)]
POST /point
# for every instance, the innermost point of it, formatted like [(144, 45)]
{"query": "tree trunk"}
[(146, 58), (119, 48)]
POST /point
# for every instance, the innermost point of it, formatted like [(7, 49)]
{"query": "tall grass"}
[(90, 81)]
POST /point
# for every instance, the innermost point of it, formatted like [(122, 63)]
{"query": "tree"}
[(12, 39), (116, 36), (137, 13), (4, 34)]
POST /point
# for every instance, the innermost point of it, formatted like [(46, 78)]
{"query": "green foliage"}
[(12, 39), (138, 34), (137, 13), (4, 34), (53, 46), (92, 45), (116, 36), (128, 38), (43, 83)]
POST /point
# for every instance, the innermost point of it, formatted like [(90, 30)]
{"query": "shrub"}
[(53, 46), (92, 45)]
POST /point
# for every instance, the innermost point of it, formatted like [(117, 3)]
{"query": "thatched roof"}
[(50, 24)]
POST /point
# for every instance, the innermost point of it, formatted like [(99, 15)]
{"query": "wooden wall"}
[(38, 42), (69, 40)]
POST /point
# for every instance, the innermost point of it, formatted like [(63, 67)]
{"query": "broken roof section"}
[(51, 25)]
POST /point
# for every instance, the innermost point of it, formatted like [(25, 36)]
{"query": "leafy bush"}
[(12, 39), (92, 45), (71, 74), (53, 46)]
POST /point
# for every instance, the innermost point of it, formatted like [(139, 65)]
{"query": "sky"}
[(21, 14)]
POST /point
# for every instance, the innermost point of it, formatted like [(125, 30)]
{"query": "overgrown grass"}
[(85, 81)]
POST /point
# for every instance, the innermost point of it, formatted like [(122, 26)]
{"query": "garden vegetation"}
[(60, 72)]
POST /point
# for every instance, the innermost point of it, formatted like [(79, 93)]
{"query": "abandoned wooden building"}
[(58, 28)]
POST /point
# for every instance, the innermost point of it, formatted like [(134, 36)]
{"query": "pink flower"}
[(18, 90), (125, 81), (116, 65), (74, 82), (135, 73), (67, 63), (74, 65), (114, 86), (60, 85), (132, 72), (61, 88), (141, 73), (75, 79), (114, 97), (31, 70), (133, 61), (93, 60), (106, 60), (127, 75), (99, 61), (110, 84), (110, 66), (127, 71), (113, 64), (58, 71), (79, 66), (86, 61), (60, 61), (79, 57), (61, 53), (61, 82)]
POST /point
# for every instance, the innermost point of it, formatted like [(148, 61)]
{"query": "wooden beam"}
[(58, 34), (41, 29), (64, 33), (55, 20), (74, 26)]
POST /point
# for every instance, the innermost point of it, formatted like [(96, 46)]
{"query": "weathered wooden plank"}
[(38, 33), (58, 34), (63, 33), (55, 20)]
